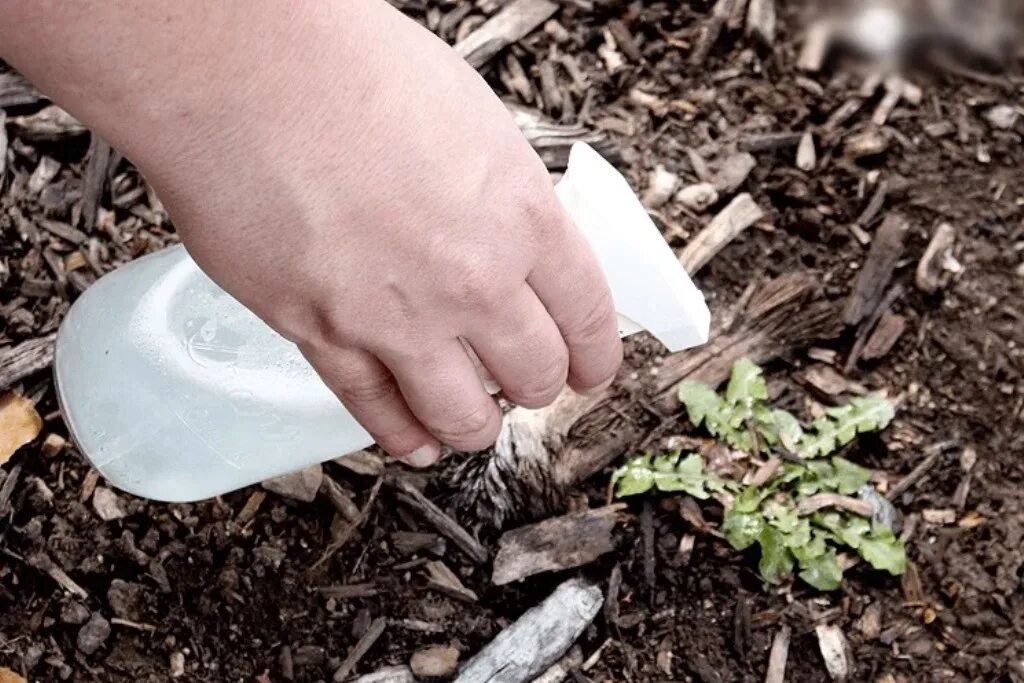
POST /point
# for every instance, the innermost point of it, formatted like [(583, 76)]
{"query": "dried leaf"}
[(8, 676), (19, 424)]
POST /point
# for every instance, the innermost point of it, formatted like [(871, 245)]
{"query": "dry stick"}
[(18, 362), (740, 214), (517, 20), (43, 563), (537, 639), (359, 650), (877, 270), (916, 475), (820, 501), (351, 528), (868, 325), (95, 178), (411, 496), (780, 653)]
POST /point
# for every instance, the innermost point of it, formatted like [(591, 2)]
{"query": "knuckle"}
[(473, 428), (596, 322), (472, 284), (543, 384), (365, 388)]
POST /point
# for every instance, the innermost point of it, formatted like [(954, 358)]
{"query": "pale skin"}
[(350, 179)]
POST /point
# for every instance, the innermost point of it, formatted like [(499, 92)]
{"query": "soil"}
[(225, 595)]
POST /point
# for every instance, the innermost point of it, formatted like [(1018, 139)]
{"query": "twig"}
[(349, 530), (834, 500), (359, 650), (43, 563), (740, 214), (411, 496), (780, 653), (514, 22), (918, 473)]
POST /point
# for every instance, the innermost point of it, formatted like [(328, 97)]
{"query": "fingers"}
[(370, 393), (524, 351), (443, 390), (572, 286)]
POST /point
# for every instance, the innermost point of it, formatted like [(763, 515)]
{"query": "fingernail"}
[(424, 456), (600, 388)]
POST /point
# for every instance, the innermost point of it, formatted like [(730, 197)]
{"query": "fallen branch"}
[(18, 362), (517, 20), (537, 639), (739, 215)]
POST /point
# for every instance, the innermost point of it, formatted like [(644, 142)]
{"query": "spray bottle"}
[(175, 391)]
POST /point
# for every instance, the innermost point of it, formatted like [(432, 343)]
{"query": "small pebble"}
[(439, 661), (177, 664), (1002, 116), (74, 613), (95, 632), (697, 197)]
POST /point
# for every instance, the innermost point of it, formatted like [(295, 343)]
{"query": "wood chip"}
[(661, 184), (20, 361), (106, 504), (51, 124), (340, 497), (875, 274), (438, 661), (8, 676), (555, 544), (538, 638), (870, 622), (413, 497), (739, 215), (779, 655), (43, 563), (711, 30), (348, 591), (699, 197), (939, 517), (806, 154), (820, 501), (362, 462), (761, 21), (733, 172), (19, 424), (515, 21), (359, 650), (884, 337), (835, 650), (936, 265), (769, 142), (389, 674), (870, 143), (816, 46), (302, 485), (251, 507), (561, 669), (442, 578)]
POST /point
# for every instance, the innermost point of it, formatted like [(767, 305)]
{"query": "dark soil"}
[(240, 599)]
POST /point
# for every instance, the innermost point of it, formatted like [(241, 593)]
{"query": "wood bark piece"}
[(555, 544), (43, 563), (3, 144), (51, 124), (875, 274), (711, 30), (733, 172), (15, 91), (816, 47), (779, 655), (835, 650), (885, 335), (517, 20), (94, 182), (302, 485), (413, 497), (931, 273), (359, 650), (552, 141), (559, 671), (20, 361), (442, 578), (761, 21), (740, 214), (769, 142), (540, 454), (537, 639), (389, 674)]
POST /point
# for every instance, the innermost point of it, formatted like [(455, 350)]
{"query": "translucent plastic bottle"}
[(177, 392)]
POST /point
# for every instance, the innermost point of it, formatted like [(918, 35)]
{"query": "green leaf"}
[(778, 426), (853, 531), (883, 550), (849, 478), (776, 559), (665, 472), (634, 477), (750, 499), (746, 384), (823, 571), (840, 425), (741, 529), (686, 475), (811, 550), (703, 406)]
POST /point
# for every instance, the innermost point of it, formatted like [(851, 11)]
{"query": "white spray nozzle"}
[(652, 290)]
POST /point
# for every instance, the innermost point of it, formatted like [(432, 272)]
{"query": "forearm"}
[(155, 78)]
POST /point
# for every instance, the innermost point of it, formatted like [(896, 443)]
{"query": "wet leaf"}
[(883, 550), (741, 529), (776, 559), (822, 571)]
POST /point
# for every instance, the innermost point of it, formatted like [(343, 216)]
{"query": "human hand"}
[(373, 202)]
